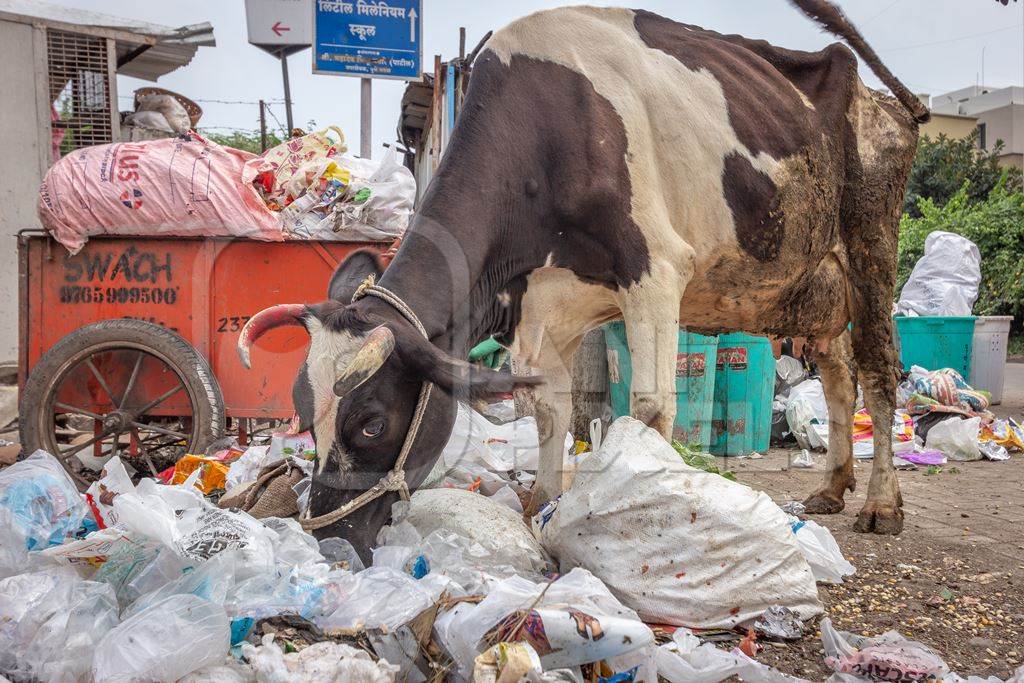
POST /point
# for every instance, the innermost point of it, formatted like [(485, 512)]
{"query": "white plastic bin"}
[(988, 359)]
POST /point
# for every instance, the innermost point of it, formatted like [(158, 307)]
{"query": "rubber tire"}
[(192, 367)]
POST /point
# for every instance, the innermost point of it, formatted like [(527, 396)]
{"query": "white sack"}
[(499, 531), (946, 279), (678, 545)]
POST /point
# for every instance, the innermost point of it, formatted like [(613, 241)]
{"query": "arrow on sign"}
[(412, 25), (278, 29)]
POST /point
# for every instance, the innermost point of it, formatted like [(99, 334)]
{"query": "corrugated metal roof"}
[(172, 49)]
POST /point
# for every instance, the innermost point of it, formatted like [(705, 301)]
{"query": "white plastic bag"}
[(678, 545), (946, 279), (821, 551), (319, 663), (164, 642), (956, 438), (687, 660), (807, 414), (43, 500), (580, 598)]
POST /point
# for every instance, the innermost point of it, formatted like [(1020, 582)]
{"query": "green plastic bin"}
[(936, 342), (695, 381), (741, 418)]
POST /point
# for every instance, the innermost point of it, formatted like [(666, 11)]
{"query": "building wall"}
[(25, 141), (955, 127)]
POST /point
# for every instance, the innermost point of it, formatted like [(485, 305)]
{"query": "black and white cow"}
[(611, 164)]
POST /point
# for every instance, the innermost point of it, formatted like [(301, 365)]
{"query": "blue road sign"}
[(368, 38)]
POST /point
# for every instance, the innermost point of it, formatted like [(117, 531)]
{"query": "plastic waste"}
[(319, 663), (779, 623), (807, 414), (802, 459), (174, 114), (210, 581), (507, 663), (821, 551), (378, 597), (339, 551), (690, 571), (956, 438), (43, 501), (293, 545), (576, 600), (945, 280), (245, 469), (164, 642), (687, 660), (114, 480), (498, 530), (990, 450), (50, 621), (889, 656)]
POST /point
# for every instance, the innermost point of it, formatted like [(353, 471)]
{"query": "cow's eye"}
[(374, 428)]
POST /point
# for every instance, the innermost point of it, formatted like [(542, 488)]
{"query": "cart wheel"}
[(121, 387)]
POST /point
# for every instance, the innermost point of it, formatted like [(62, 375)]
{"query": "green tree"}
[(943, 166), (242, 139), (995, 224)]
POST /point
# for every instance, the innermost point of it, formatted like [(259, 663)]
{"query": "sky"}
[(933, 46)]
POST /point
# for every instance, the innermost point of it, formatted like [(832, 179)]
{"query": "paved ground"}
[(953, 580)]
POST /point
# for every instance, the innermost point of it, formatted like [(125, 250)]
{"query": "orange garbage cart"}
[(128, 347)]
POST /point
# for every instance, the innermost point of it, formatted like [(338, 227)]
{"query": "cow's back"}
[(734, 146)]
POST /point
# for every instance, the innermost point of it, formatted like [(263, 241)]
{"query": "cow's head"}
[(357, 392)]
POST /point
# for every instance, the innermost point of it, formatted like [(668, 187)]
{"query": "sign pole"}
[(287, 94), (365, 112)]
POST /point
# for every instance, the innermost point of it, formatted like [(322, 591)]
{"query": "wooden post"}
[(263, 126)]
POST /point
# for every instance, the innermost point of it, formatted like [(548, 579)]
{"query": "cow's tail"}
[(834, 21)]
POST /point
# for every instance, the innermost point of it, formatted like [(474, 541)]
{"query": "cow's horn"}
[(375, 350), (267, 319)]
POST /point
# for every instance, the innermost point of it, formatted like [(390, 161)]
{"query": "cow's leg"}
[(873, 267), (553, 405), (651, 314), (838, 377)]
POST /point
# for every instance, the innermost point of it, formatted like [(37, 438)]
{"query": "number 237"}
[(232, 324)]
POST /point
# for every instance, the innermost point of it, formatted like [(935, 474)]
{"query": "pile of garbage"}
[(154, 581), (940, 418), (306, 188)]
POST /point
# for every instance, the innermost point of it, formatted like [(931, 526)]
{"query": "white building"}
[(1000, 115)]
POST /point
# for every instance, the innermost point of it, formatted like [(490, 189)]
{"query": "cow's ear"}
[(462, 379), (352, 272)]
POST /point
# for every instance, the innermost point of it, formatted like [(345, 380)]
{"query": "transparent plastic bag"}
[(378, 597), (293, 546), (821, 551), (687, 660), (957, 438), (164, 642), (43, 500), (889, 656), (61, 651)]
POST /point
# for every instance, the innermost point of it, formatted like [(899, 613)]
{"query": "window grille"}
[(79, 81)]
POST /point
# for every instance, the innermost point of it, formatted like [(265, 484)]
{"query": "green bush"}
[(944, 166), (995, 224)]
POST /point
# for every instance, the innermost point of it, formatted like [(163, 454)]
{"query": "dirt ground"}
[(953, 580)]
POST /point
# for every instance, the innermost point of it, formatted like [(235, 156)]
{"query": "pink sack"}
[(183, 187)]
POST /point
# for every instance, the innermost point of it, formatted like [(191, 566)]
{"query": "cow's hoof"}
[(878, 518), (823, 502)]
